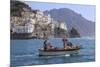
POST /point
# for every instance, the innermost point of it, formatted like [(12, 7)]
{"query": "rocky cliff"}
[(73, 19), (17, 8)]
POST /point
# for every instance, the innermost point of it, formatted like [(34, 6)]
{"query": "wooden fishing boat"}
[(59, 51)]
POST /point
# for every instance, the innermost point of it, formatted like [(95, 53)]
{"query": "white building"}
[(36, 23), (62, 25), (28, 28)]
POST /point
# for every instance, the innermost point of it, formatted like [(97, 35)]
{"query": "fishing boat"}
[(59, 51)]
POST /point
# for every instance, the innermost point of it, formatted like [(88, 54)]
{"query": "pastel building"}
[(36, 23), (28, 28)]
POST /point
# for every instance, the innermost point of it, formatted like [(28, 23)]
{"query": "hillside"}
[(73, 19), (16, 8), (82, 26)]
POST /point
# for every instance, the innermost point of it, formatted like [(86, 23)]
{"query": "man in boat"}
[(65, 40), (70, 45), (47, 45), (67, 44)]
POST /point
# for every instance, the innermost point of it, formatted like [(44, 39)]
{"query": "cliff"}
[(74, 33), (16, 8), (73, 19)]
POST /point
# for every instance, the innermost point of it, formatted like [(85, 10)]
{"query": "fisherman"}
[(47, 45), (65, 40), (70, 45), (67, 44)]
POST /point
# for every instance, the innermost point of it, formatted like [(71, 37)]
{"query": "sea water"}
[(25, 52)]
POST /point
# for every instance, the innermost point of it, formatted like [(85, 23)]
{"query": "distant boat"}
[(59, 51)]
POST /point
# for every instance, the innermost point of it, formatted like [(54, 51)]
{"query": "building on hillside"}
[(60, 29), (27, 28), (37, 24), (62, 25)]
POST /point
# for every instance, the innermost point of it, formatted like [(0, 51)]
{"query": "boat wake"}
[(67, 55), (26, 55)]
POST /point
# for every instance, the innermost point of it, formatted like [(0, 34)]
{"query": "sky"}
[(87, 11)]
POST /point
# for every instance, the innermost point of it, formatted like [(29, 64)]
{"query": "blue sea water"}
[(25, 52)]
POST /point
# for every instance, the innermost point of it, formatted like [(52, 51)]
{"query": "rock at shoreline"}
[(74, 33)]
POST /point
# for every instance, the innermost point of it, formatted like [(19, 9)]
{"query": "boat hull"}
[(57, 52)]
